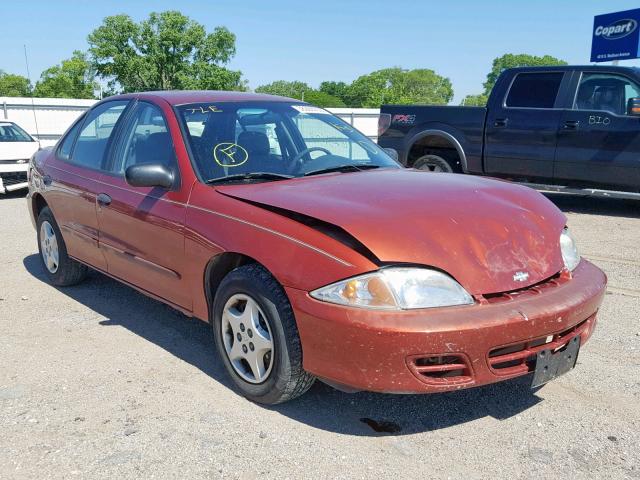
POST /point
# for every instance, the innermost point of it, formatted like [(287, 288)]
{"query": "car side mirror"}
[(633, 106), (149, 175)]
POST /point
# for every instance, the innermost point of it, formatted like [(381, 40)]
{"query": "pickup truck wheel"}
[(257, 337), (435, 164), (61, 270)]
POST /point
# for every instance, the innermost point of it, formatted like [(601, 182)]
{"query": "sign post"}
[(616, 36)]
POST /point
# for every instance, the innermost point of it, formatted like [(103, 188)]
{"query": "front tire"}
[(60, 269), (257, 338)]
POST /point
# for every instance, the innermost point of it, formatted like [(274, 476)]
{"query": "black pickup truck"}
[(575, 127)]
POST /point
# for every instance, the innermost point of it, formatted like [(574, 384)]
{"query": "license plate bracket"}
[(550, 364)]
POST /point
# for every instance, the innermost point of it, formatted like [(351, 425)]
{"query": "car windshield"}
[(255, 141), (10, 132)]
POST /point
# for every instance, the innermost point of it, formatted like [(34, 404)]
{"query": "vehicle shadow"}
[(364, 413), (611, 207)]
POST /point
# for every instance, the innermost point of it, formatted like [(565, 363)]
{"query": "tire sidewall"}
[(269, 390), (431, 158)]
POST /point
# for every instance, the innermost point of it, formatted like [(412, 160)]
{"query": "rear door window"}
[(91, 145), (64, 151), (534, 90)]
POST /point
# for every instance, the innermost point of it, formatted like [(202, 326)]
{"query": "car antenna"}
[(33, 106)]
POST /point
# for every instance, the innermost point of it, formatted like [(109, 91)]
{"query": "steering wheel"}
[(299, 156)]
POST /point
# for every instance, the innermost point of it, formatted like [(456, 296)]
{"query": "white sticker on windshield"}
[(310, 109)]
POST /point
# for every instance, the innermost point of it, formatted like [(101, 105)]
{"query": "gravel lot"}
[(98, 381)]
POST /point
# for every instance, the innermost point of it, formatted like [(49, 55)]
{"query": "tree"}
[(394, 85), (339, 90), (285, 88), (73, 78), (322, 99), (479, 100), (12, 85), (166, 51), (511, 60)]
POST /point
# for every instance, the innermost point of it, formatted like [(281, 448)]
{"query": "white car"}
[(16, 148)]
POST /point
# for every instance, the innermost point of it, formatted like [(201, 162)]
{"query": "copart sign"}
[(616, 36)]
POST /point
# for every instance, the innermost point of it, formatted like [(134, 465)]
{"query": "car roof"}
[(181, 97)]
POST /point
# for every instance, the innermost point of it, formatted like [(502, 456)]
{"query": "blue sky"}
[(330, 39)]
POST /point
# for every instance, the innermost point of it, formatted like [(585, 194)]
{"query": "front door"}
[(141, 228), (522, 128), (598, 143)]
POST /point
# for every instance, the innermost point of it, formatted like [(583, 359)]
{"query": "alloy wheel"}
[(49, 247), (247, 338)]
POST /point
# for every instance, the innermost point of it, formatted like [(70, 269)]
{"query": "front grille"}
[(449, 369), (536, 289), (520, 358), (13, 178)]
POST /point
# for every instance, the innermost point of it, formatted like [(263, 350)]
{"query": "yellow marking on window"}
[(230, 155)]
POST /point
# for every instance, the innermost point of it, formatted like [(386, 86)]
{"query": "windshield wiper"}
[(343, 168), (249, 176)]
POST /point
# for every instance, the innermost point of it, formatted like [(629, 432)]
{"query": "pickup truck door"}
[(522, 126), (598, 143)]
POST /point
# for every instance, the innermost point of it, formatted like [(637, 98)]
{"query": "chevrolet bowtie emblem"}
[(520, 276)]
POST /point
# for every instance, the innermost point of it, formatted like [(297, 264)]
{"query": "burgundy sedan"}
[(310, 251)]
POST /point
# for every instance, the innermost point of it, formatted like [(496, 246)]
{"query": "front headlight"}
[(569, 250), (396, 288)]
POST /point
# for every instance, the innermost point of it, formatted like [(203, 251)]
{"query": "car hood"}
[(17, 150), (481, 231)]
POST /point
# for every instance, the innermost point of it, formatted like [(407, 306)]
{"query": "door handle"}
[(104, 199), (500, 122), (571, 124)]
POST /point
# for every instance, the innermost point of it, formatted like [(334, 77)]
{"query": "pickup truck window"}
[(534, 90), (606, 92)]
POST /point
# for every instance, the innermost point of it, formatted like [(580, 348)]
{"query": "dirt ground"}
[(98, 381)]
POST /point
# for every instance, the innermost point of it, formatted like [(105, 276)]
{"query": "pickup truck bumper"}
[(440, 349)]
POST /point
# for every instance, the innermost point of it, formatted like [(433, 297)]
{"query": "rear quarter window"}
[(534, 90)]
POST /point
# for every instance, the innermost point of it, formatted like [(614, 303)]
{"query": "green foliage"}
[(322, 99), (301, 91), (14, 85), (73, 78), (166, 51), (511, 60), (285, 89), (339, 90), (397, 86), (479, 100)]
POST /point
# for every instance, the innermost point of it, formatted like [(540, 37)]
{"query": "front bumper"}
[(404, 352), (13, 176)]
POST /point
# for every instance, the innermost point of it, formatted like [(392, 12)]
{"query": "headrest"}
[(156, 148), (255, 143)]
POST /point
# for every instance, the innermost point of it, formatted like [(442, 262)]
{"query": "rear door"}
[(598, 143), (74, 171), (522, 127), (142, 228)]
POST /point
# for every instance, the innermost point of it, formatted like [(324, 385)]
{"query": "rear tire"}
[(436, 164), (60, 269), (272, 326)]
